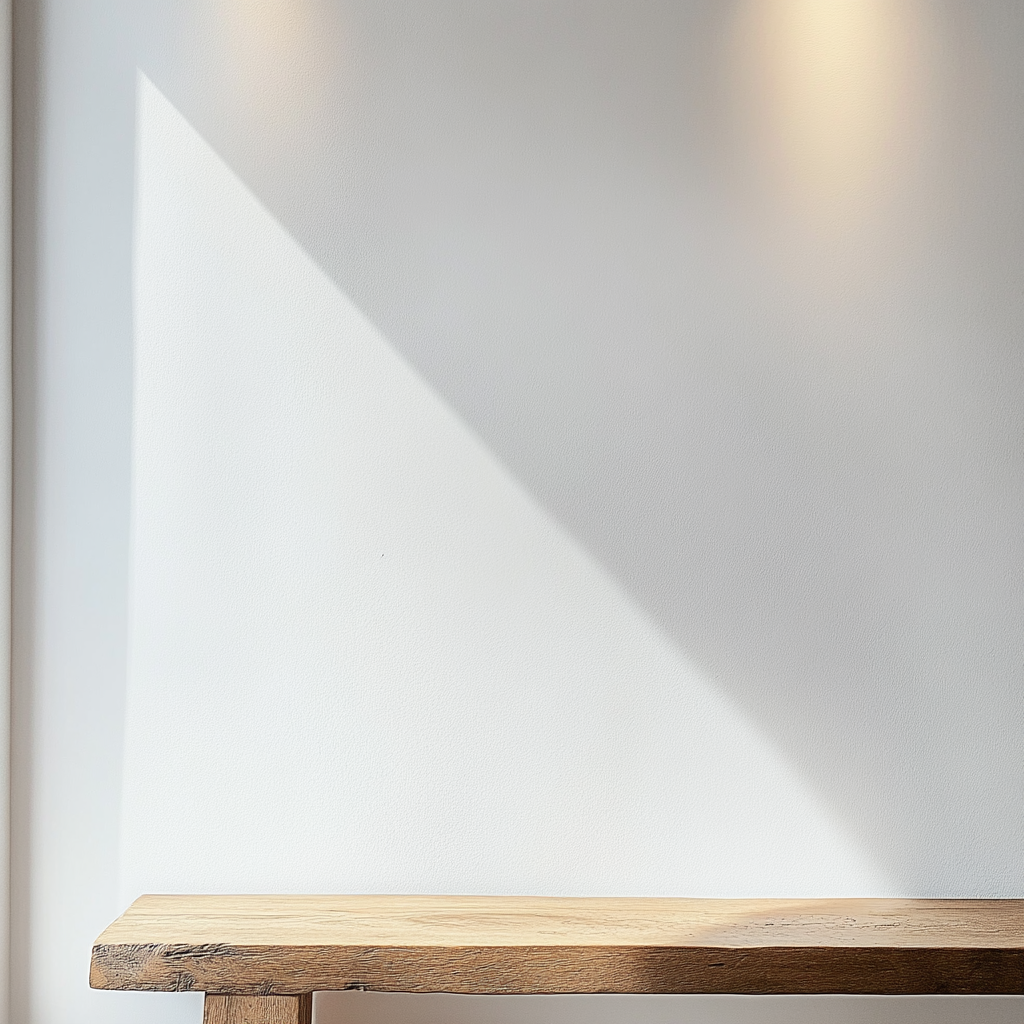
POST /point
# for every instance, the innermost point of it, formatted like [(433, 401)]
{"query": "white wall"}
[(566, 458), (402, 673), (72, 445)]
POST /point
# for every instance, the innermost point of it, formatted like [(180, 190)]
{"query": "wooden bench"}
[(260, 958)]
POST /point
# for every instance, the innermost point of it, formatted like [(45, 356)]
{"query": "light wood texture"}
[(481, 944), (258, 1009)]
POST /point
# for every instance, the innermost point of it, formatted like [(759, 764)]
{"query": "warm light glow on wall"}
[(276, 51), (266, 27), (829, 95)]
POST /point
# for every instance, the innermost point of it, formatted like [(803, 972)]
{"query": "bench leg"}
[(258, 1009)]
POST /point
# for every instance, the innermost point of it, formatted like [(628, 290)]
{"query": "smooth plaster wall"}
[(403, 675), (739, 371)]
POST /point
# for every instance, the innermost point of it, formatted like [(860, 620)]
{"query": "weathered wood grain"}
[(258, 1009), (297, 944)]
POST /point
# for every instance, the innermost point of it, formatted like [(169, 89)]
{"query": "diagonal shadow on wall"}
[(805, 466), (401, 673)]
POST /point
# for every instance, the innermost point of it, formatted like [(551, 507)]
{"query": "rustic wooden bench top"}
[(262, 945)]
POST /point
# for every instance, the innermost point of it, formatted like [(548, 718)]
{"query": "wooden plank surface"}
[(297, 944)]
